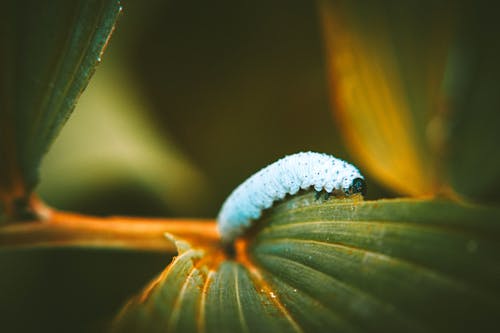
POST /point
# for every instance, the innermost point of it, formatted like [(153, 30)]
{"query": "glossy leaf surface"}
[(336, 265)]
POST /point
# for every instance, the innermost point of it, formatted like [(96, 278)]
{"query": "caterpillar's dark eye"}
[(358, 186)]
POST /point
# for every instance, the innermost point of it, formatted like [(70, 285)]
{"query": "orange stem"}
[(69, 229)]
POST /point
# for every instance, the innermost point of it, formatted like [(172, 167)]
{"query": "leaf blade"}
[(345, 273), (52, 52)]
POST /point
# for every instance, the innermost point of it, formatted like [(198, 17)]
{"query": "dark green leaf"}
[(473, 90), (49, 52), (338, 265)]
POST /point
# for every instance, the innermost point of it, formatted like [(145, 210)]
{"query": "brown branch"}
[(69, 229)]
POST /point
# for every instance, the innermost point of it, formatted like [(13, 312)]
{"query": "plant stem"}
[(70, 230)]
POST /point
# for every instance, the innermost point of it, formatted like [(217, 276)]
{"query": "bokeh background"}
[(190, 99)]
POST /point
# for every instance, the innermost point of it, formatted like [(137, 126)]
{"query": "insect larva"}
[(285, 176)]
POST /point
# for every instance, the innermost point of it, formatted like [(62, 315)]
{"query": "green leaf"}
[(339, 265), (473, 91), (48, 55)]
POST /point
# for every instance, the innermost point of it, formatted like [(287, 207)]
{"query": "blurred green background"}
[(190, 99)]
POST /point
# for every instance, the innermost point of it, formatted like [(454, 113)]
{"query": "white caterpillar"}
[(285, 176)]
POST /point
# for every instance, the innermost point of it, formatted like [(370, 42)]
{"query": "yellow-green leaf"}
[(414, 85), (339, 265)]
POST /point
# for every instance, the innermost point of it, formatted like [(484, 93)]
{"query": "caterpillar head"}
[(358, 186)]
